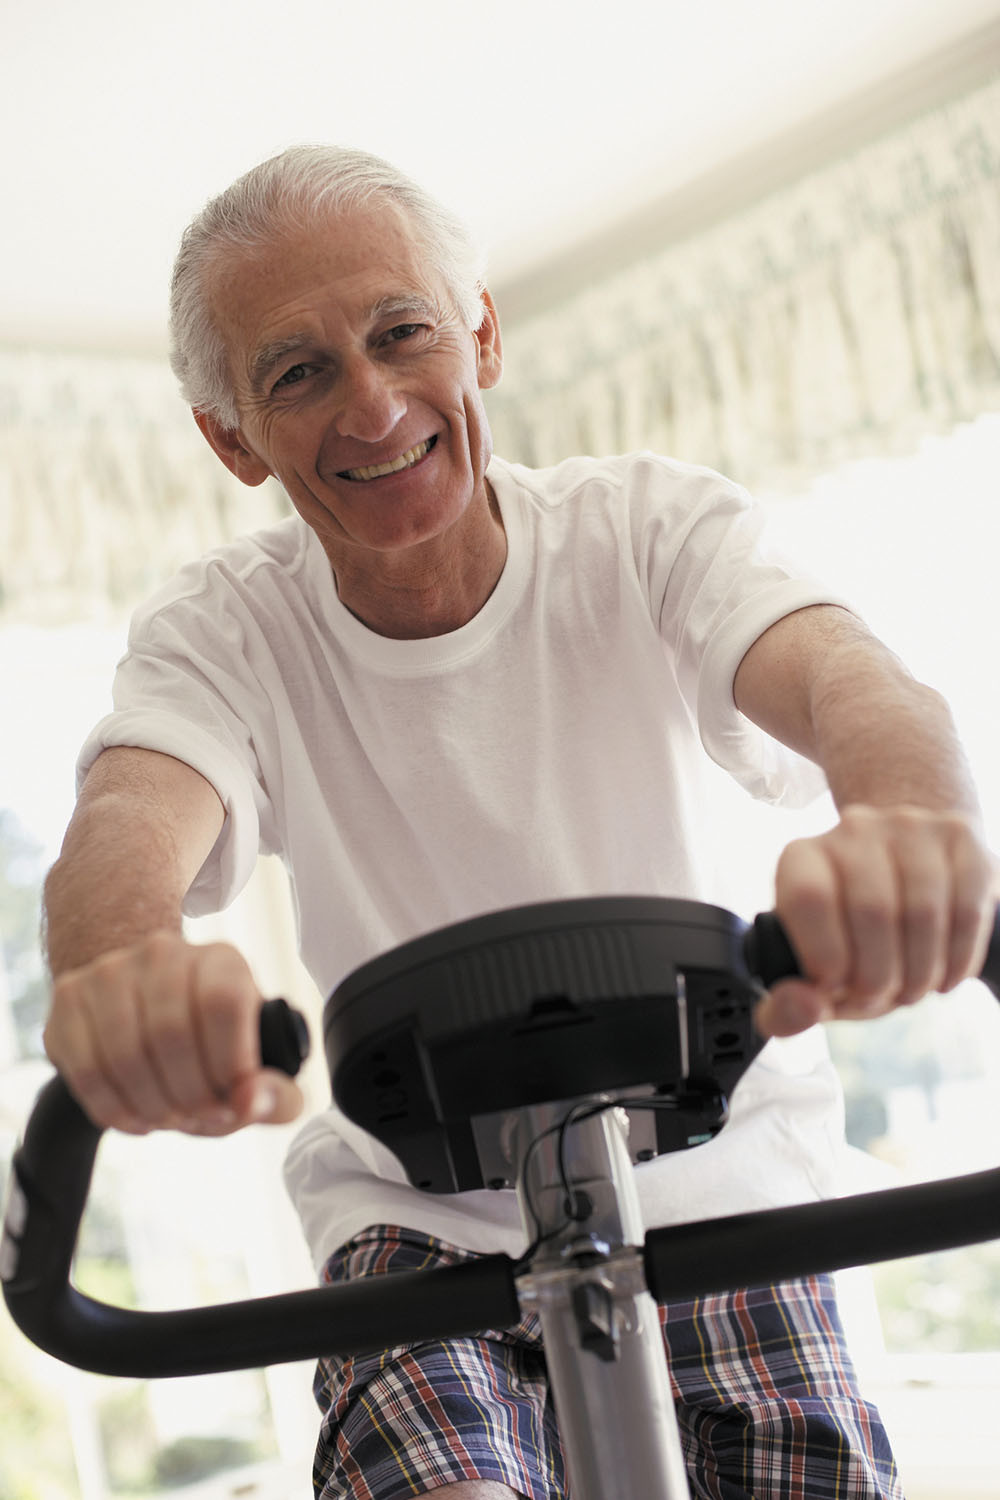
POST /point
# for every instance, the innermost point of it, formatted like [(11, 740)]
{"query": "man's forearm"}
[(141, 831), (112, 885), (897, 898), (884, 739), (820, 682), (150, 1031)]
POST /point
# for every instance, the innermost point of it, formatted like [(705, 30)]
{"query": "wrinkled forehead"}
[(372, 247)]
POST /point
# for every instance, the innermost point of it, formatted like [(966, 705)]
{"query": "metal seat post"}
[(600, 1325)]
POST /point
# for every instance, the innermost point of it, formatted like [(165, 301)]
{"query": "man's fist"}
[(164, 1035)]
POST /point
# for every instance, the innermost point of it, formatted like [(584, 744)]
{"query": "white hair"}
[(298, 187)]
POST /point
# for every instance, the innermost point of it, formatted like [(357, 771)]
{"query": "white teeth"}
[(404, 461)]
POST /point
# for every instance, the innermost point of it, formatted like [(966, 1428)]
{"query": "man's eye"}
[(292, 376), (402, 331)]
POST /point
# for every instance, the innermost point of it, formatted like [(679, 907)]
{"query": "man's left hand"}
[(886, 906)]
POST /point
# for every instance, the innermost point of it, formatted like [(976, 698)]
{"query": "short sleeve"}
[(715, 586), (170, 697)]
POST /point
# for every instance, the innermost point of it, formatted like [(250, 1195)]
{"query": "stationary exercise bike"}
[(546, 1048)]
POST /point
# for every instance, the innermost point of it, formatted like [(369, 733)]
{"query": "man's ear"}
[(229, 445), (490, 355)]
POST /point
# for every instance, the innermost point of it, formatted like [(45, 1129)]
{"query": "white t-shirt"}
[(554, 746)]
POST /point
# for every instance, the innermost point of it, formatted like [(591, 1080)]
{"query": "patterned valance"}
[(844, 316), (106, 485)]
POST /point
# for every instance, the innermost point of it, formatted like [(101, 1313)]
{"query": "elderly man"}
[(449, 684)]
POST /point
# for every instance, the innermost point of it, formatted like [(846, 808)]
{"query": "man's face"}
[(357, 384)]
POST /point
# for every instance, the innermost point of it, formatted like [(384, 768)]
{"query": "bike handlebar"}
[(770, 956), (51, 1178)]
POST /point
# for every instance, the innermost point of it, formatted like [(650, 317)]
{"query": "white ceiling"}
[(540, 120)]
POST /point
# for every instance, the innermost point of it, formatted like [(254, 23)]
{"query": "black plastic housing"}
[(572, 998)]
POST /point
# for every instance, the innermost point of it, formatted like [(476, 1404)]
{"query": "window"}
[(168, 1224), (913, 542)]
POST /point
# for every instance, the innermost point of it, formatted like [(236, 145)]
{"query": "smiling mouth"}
[(404, 461)]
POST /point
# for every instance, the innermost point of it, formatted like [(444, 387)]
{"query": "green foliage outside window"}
[(36, 1452), (945, 1303)]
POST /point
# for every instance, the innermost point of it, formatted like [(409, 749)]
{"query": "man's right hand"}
[(163, 1034)]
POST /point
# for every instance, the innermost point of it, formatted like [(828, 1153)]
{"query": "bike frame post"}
[(601, 1330)]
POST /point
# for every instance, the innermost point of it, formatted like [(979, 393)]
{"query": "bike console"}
[(431, 1046)]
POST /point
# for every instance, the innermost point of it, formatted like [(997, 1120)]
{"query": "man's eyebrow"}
[(267, 356), (403, 304)]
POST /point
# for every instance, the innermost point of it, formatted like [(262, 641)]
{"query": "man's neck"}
[(431, 590)]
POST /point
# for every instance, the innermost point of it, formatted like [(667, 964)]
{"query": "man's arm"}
[(898, 898), (147, 1029)]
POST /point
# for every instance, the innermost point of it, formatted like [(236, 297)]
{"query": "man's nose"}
[(369, 407)]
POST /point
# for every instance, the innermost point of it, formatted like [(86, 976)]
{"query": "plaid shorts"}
[(764, 1388)]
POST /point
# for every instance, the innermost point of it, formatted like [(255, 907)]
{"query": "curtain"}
[(106, 486), (845, 316)]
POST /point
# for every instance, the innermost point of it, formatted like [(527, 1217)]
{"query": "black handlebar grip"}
[(768, 953), (50, 1180), (46, 1197), (284, 1037), (770, 956)]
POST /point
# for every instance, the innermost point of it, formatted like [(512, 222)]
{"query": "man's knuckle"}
[(858, 819), (158, 953), (64, 986), (68, 996), (909, 817), (219, 1003), (923, 917), (966, 919), (874, 913), (791, 852), (867, 989), (806, 901), (116, 1050), (51, 1042), (87, 1082), (108, 962), (171, 1035)]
